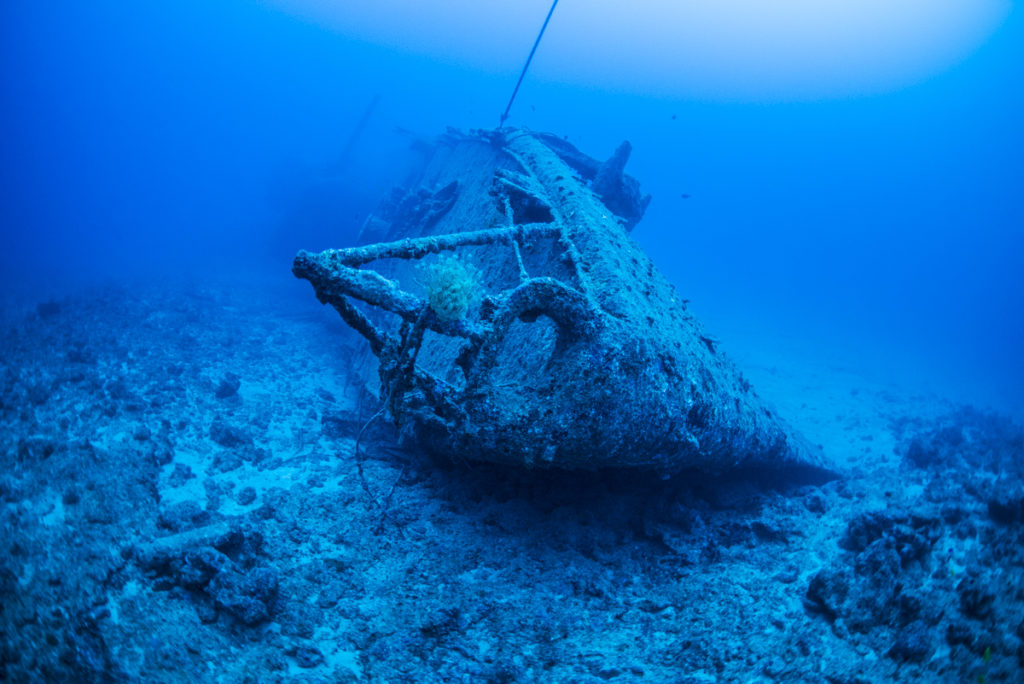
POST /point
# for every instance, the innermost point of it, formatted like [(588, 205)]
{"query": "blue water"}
[(205, 136), (199, 136), (183, 496)]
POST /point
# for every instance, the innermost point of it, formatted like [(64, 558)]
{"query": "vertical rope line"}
[(527, 65)]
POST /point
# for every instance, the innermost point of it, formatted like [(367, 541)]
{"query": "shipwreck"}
[(515, 320)]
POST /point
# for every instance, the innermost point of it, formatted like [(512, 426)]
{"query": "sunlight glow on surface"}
[(733, 49)]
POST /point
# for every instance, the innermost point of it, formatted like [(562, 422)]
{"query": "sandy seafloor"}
[(180, 501)]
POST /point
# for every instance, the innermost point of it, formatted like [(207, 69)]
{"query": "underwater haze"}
[(849, 182), (206, 479)]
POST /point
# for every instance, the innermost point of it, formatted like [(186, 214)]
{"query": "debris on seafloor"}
[(534, 331)]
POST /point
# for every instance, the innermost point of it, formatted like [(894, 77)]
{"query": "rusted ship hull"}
[(574, 351)]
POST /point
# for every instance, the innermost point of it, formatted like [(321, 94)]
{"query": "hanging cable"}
[(527, 65)]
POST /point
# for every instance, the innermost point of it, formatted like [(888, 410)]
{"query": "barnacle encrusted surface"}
[(580, 353)]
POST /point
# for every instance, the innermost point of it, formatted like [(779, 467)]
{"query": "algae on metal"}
[(579, 354)]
